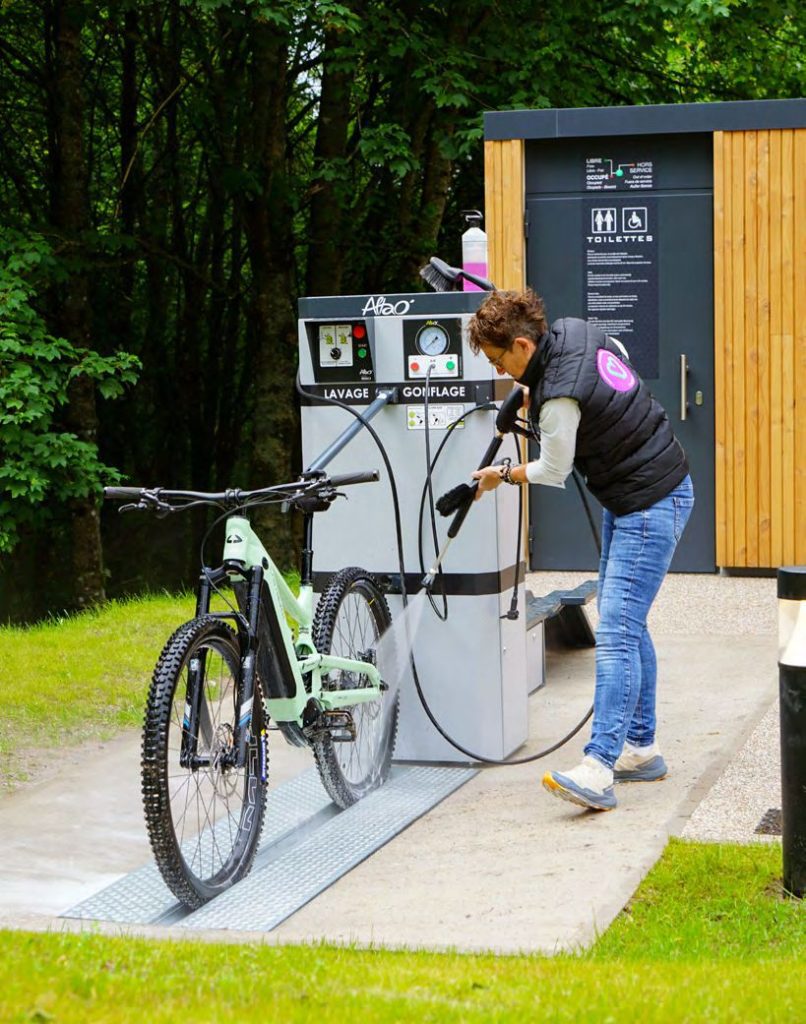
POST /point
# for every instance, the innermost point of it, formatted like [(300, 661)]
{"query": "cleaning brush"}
[(455, 498), (444, 278), (440, 276)]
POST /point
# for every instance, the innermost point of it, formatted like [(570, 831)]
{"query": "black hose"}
[(430, 715), (443, 615), (484, 407), (428, 492)]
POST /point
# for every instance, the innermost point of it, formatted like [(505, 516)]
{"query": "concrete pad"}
[(82, 828), (501, 865)]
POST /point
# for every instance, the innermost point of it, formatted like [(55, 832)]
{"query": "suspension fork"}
[(195, 716), (194, 692), (244, 705)]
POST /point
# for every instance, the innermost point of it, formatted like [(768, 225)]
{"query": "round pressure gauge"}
[(432, 340)]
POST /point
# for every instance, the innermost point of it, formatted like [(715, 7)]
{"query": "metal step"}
[(307, 845)]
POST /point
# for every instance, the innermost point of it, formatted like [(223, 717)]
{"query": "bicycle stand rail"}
[(307, 845)]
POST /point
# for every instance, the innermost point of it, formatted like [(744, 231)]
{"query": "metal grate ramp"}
[(307, 845)]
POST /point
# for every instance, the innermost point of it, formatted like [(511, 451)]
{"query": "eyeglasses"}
[(496, 363)]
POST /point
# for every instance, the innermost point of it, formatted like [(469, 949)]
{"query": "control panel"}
[(341, 351), (335, 345), (434, 344)]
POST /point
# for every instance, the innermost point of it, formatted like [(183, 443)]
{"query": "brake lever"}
[(312, 500), (149, 502)]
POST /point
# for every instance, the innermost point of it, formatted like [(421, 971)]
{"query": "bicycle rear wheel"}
[(204, 821), (351, 616)]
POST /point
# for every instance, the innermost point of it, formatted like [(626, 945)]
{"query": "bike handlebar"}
[(158, 496)]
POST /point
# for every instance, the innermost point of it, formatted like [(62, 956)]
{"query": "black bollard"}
[(792, 688)]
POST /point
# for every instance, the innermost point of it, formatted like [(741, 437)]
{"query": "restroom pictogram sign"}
[(634, 220)]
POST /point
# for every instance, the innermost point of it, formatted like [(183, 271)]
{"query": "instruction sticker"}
[(606, 174), (440, 417)]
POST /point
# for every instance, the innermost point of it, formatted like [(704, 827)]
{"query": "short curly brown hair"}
[(504, 316)]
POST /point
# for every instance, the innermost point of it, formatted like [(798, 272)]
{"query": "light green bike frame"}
[(243, 545)]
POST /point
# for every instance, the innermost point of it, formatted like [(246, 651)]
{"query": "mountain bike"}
[(222, 676)]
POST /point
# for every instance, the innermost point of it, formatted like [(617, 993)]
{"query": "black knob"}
[(335, 353)]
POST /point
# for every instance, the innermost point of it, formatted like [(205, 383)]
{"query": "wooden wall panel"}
[(504, 199), (799, 322), (760, 347), (720, 381)]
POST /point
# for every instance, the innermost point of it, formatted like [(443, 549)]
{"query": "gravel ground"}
[(718, 606), (692, 604), (746, 790)]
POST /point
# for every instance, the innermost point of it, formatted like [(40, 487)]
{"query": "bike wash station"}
[(390, 361), (373, 353)]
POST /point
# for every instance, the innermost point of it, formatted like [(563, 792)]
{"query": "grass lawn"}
[(80, 677), (706, 938)]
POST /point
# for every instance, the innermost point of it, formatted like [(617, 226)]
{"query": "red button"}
[(415, 367), (359, 331)]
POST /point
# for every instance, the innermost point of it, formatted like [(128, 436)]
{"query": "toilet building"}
[(681, 229)]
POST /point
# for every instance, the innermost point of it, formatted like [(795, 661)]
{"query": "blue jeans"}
[(636, 552)]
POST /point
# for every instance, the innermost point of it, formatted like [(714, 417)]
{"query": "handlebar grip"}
[(122, 493), (370, 476)]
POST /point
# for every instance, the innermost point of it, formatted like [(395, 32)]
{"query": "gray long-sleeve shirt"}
[(559, 420)]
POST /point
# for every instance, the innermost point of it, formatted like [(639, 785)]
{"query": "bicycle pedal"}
[(341, 726), (337, 724)]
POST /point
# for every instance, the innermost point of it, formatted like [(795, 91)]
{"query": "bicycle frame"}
[(246, 560)]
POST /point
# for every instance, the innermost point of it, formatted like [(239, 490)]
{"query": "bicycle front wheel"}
[(204, 817), (351, 616)]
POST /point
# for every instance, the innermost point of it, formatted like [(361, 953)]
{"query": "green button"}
[(362, 353), (450, 366)]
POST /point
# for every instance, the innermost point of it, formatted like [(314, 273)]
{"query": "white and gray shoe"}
[(589, 785), (640, 764)]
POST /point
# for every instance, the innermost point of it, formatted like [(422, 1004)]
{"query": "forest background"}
[(175, 174)]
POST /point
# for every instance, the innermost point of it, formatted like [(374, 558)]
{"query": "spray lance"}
[(458, 500)]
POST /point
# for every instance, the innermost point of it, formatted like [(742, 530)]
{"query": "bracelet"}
[(506, 472)]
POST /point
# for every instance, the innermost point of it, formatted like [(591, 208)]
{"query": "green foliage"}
[(41, 462), (235, 156)]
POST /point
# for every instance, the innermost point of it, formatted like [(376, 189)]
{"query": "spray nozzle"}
[(474, 218), (507, 419)]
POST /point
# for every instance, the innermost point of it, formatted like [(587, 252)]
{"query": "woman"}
[(592, 410)]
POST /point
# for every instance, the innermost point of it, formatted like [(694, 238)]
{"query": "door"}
[(639, 260)]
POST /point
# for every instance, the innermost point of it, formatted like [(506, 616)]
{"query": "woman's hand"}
[(489, 478)]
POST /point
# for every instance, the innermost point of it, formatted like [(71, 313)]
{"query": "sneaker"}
[(590, 784), (640, 764)]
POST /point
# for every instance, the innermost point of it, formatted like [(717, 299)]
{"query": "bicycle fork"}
[(196, 715)]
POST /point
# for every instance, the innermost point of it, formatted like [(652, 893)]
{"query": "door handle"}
[(683, 385)]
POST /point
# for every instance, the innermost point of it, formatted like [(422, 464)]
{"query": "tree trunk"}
[(74, 316), (325, 245), (268, 229)]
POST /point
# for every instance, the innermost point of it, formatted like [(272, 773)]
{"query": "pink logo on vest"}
[(613, 371)]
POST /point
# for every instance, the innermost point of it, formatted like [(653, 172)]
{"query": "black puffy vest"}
[(625, 449)]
